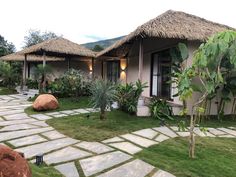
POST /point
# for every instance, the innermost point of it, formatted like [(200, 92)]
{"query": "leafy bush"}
[(32, 84), (72, 83), (103, 95), (160, 109), (8, 74), (128, 96)]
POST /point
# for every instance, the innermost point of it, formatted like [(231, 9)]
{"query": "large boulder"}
[(12, 164), (45, 102)]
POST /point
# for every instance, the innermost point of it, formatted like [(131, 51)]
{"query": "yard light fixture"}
[(39, 159)]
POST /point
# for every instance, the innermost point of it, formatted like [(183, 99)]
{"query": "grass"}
[(117, 123), (7, 91), (64, 104), (215, 157), (44, 171)]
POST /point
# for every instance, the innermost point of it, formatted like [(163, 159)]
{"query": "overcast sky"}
[(84, 21)]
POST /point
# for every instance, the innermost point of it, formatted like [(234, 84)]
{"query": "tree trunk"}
[(192, 138), (102, 114)]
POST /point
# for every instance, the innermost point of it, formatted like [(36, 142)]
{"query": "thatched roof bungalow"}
[(145, 53)]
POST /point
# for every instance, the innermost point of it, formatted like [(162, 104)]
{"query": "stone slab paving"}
[(136, 168), (166, 131), (113, 140), (14, 122), (67, 112), (94, 147), (1, 119), (42, 148), (227, 136), (215, 131), (52, 113), (11, 112), (68, 169), (53, 135), (162, 173), (161, 138), (40, 116), (16, 116), (21, 133), (139, 140), (99, 163), (201, 133), (60, 115), (39, 123), (183, 134), (18, 127), (64, 155), (82, 111), (27, 140), (147, 133), (127, 147), (229, 131)]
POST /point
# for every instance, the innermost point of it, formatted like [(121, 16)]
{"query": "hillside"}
[(104, 43)]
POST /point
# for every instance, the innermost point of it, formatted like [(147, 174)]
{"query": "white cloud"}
[(78, 20)]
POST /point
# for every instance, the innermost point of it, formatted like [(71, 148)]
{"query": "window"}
[(113, 71), (160, 74)]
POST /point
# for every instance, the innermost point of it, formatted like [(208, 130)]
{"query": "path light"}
[(39, 159)]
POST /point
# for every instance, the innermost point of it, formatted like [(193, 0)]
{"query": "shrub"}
[(32, 84), (103, 95), (72, 83), (8, 74), (128, 96), (160, 109)]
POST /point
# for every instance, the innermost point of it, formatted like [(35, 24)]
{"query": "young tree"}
[(103, 95), (6, 47), (214, 64), (36, 36)]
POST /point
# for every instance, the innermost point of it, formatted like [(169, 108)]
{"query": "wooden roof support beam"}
[(140, 70)]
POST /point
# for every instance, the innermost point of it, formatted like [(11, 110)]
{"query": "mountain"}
[(103, 43)]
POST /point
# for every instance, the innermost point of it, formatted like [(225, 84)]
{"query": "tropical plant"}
[(213, 64), (103, 95), (41, 74), (9, 75), (128, 96), (160, 109), (32, 84)]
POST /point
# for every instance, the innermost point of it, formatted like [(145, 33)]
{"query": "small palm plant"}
[(41, 74), (103, 95)]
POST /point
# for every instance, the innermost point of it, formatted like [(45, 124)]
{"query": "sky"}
[(83, 21)]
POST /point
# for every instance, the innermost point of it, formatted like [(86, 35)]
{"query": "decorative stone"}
[(27, 140), (13, 164), (165, 130), (53, 135), (68, 169), (161, 173), (17, 134), (139, 140), (94, 147), (99, 163), (127, 147), (147, 133), (45, 102), (136, 168), (64, 155), (42, 148), (161, 138), (112, 140)]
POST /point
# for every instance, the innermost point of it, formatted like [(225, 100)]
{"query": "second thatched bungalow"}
[(145, 53)]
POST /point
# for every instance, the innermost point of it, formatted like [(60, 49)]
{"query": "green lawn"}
[(44, 171), (65, 104), (7, 91), (215, 157), (117, 123)]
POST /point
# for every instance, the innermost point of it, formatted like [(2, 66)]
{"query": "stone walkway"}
[(110, 158)]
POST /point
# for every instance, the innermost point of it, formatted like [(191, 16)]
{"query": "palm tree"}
[(103, 94), (41, 74)]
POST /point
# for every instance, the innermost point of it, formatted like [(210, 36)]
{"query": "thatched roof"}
[(171, 24), (20, 57), (59, 47)]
